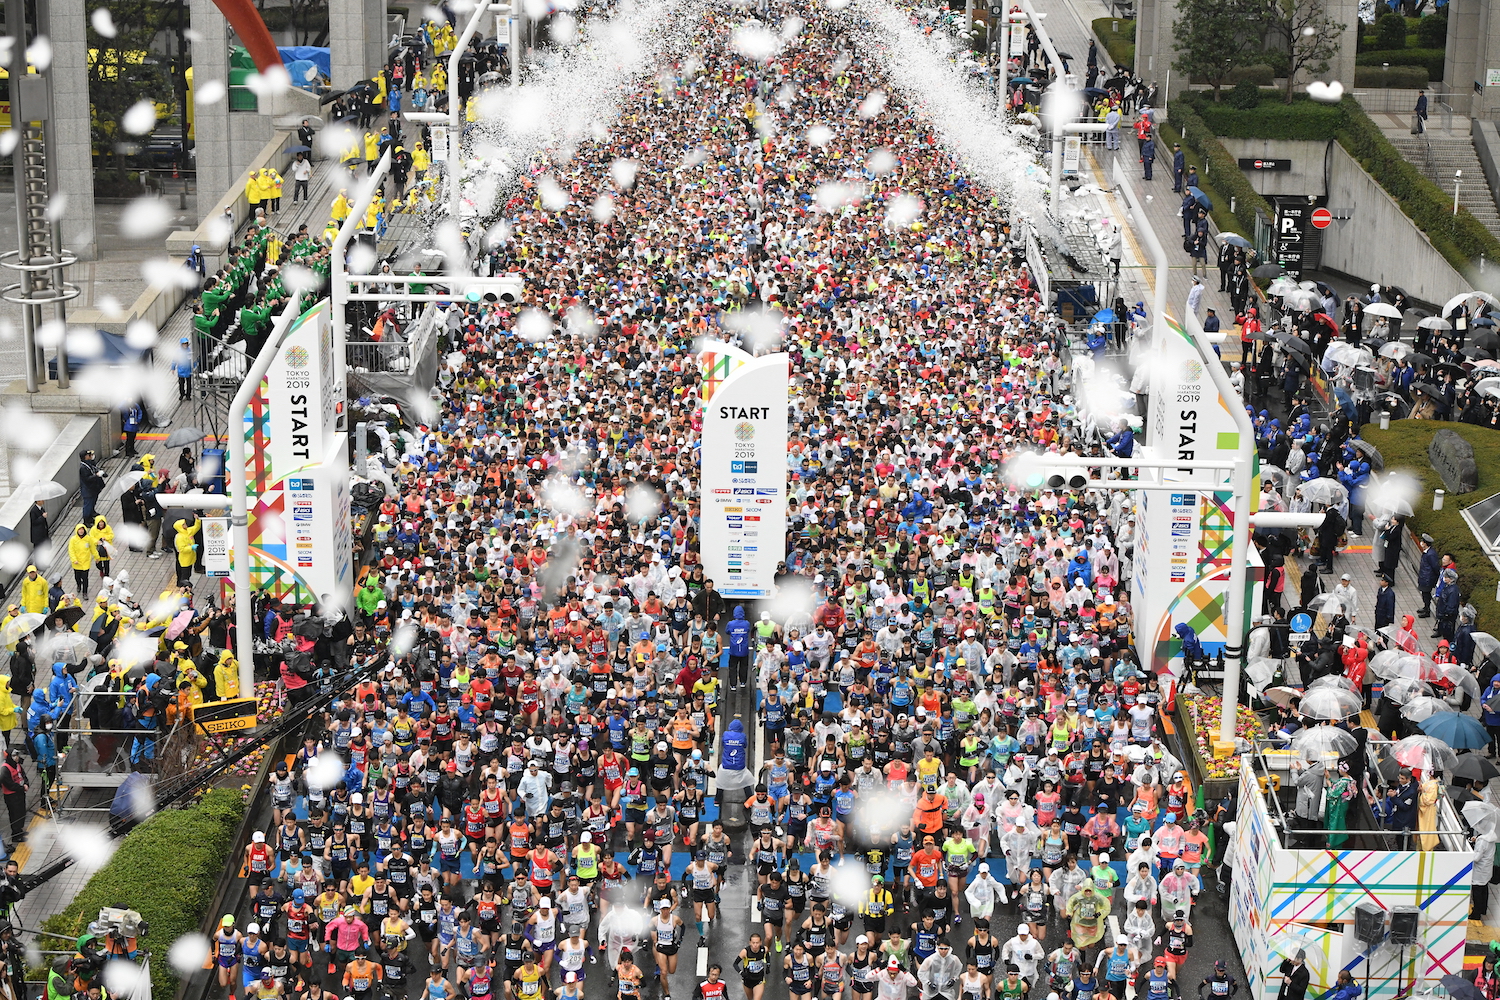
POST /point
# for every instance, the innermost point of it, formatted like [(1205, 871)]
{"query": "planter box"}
[(1218, 777)]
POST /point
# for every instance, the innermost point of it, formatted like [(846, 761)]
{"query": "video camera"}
[(119, 921)]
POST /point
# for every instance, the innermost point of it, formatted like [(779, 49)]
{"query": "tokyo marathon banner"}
[(1183, 543), (742, 471), (300, 534)]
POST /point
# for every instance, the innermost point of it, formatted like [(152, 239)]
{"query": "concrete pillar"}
[(72, 143), (1344, 13), (1155, 27), (357, 39), (210, 55), (1461, 63)]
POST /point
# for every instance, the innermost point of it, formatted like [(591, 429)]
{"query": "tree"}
[(1303, 32), (1213, 40), (122, 71)]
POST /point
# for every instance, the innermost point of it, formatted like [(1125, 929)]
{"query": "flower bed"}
[(1199, 714)]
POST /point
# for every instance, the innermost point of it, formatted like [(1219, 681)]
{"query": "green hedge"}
[(1404, 447), (1432, 59), (1461, 238), (1119, 44), (169, 869), (1395, 78), (1272, 119), (1220, 170)]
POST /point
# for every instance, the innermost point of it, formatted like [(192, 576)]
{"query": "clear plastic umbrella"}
[(1336, 681), (1460, 678), (1435, 323), (1325, 490), (1419, 667), (1318, 742), (1481, 816), (1383, 664), (1330, 703), (1424, 707), (1485, 644), (1382, 309), (1424, 753), (1395, 350), (19, 627), (1402, 690)]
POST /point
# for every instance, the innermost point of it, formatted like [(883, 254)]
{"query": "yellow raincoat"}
[(80, 550), (7, 706), (227, 676), (186, 541), (34, 591), (102, 534)]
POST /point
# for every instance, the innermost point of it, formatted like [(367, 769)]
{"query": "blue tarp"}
[(114, 353), (315, 54), (304, 74)]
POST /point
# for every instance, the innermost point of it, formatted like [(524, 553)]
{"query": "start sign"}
[(1321, 217)]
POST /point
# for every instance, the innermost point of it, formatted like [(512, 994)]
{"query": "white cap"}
[(588, 838), (1122, 939), (258, 837), (357, 799), (861, 940), (545, 903), (1023, 929), (765, 616), (253, 929), (984, 867)]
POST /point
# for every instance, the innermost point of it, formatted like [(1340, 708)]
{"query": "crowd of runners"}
[(958, 784)]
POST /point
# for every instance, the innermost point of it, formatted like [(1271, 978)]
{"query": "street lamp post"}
[(1458, 176)]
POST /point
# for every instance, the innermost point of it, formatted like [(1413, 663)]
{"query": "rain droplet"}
[(209, 92), (145, 218), (39, 54), (102, 22), (188, 953)]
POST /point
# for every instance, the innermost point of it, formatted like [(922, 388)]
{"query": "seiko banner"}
[(743, 469)]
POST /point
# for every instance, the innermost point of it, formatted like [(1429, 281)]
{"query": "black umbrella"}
[(1419, 360), (1445, 369), (1460, 988), (69, 616), (1397, 290), (1263, 334), (308, 628), (1299, 346), (1427, 389), (1267, 271), (1473, 767), (1095, 92), (1370, 452), (331, 96), (1488, 342), (1065, 56)]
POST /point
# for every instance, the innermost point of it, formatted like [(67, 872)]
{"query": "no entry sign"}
[(1321, 217)]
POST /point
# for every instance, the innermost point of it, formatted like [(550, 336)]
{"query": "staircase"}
[(1437, 157)]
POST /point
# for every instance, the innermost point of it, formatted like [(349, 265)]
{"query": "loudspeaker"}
[(1369, 924), (1405, 925)]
